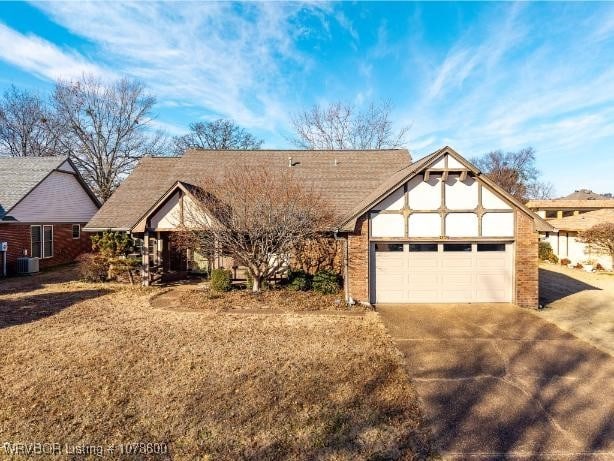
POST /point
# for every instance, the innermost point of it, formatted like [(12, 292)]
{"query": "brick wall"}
[(65, 248), (358, 261), (527, 269)]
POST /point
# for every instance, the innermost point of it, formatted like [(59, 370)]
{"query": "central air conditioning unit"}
[(27, 265)]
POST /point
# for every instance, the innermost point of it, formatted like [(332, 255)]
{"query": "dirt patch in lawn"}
[(275, 300), (112, 370)]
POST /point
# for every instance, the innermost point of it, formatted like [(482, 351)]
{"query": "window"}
[(567, 213), (76, 231), (47, 241), (423, 247), (388, 247), (550, 214), (35, 241), (491, 246), (457, 247)]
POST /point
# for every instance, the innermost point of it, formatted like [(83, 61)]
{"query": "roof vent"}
[(336, 162), (290, 164)]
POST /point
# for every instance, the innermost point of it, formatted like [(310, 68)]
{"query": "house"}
[(435, 230), (44, 205), (565, 207), (564, 239)]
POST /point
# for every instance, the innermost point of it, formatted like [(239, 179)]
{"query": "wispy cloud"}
[(224, 57), (42, 58)]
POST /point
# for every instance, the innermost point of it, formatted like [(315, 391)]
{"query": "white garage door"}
[(442, 272)]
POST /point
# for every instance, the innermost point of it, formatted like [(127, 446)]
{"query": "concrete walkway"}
[(498, 382)]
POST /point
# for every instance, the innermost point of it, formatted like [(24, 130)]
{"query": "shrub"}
[(299, 280), (565, 262), (220, 280), (546, 253), (92, 267), (326, 282), (578, 266), (599, 267)]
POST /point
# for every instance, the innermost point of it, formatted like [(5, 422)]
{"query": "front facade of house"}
[(566, 245), (432, 231), (44, 205), (564, 208)]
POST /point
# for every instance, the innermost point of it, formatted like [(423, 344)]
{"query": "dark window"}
[(47, 241), (551, 214), (491, 246), (567, 213), (388, 247), (457, 247), (423, 247), (76, 231), (36, 241)]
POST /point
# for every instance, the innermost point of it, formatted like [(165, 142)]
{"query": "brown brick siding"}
[(65, 248), (358, 261), (527, 269)]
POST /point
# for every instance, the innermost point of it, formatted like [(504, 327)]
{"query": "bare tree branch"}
[(217, 135), (342, 126), (258, 217)]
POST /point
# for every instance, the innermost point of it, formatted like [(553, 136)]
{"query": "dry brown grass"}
[(280, 299), (111, 369)]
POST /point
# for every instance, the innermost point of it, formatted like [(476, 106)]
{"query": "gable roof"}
[(572, 204), (583, 221), (342, 177), (20, 175), (404, 175)]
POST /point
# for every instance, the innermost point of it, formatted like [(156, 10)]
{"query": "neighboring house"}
[(565, 207), (564, 240), (44, 205), (435, 230), (587, 194)]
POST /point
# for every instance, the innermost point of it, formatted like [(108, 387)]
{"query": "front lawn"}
[(106, 368)]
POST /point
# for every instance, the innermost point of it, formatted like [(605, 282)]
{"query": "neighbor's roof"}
[(19, 175), (343, 178), (583, 221), (586, 194), (573, 204)]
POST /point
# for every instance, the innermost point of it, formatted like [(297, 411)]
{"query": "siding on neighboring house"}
[(65, 248), (59, 198)]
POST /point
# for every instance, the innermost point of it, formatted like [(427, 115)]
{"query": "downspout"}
[(346, 286)]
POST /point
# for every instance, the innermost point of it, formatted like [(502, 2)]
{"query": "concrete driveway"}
[(499, 382)]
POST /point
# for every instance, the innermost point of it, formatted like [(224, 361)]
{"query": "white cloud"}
[(220, 56), (42, 58)]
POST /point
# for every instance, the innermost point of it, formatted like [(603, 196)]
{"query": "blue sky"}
[(476, 76)]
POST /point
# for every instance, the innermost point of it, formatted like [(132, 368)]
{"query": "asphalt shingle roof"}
[(19, 175), (583, 221), (343, 178)]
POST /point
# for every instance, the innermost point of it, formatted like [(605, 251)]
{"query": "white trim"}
[(73, 231)]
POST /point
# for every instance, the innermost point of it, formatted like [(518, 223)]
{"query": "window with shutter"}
[(35, 241), (47, 241)]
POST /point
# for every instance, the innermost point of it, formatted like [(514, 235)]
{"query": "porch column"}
[(145, 266)]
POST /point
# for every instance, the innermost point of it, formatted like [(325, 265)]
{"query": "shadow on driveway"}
[(555, 285), (498, 382)]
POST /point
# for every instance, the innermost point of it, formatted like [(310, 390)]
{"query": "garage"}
[(449, 272)]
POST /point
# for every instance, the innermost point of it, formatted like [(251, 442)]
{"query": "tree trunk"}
[(256, 283)]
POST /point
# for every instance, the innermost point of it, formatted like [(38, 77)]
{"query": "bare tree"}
[(106, 128), (256, 216), (218, 135), (600, 238), (342, 126), (515, 172), (27, 126)]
